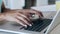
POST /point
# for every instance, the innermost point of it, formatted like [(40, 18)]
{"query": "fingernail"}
[(25, 25), (30, 25)]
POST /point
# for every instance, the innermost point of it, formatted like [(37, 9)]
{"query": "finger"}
[(31, 11), (24, 20), (20, 22), (25, 17), (25, 14), (37, 13), (40, 13)]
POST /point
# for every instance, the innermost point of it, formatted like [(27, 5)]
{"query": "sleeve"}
[(0, 5), (3, 6)]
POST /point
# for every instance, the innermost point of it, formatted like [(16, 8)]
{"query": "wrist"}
[(1, 17)]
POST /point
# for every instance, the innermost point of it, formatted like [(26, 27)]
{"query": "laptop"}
[(55, 22), (44, 26), (37, 27)]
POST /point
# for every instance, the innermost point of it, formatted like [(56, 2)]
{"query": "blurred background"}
[(29, 3)]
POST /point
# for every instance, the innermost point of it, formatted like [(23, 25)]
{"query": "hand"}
[(29, 12), (17, 17), (20, 16)]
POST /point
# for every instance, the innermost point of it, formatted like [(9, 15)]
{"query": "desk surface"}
[(56, 30)]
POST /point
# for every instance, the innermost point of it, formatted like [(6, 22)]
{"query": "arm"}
[(12, 15), (3, 7)]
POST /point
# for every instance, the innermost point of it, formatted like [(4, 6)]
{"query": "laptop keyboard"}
[(39, 25)]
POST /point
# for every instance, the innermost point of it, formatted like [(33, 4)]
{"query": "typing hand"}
[(20, 16), (30, 12), (17, 17)]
